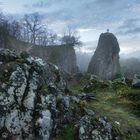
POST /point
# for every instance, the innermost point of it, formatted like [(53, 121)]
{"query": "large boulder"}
[(28, 93), (93, 129), (105, 61)]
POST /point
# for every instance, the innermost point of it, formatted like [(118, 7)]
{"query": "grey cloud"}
[(130, 26), (26, 6), (87, 13), (133, 31), (61, 14), (46, 3), (129, 23), (106, 1), (39, 4), (129, 32)]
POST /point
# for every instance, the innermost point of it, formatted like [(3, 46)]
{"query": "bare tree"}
[(4, 30), (32, 27), (44, 38), (70, 38), (15, 29), (52, 38), (31, 30)]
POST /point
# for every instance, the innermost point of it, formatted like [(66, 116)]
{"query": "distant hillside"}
[(62, 55)]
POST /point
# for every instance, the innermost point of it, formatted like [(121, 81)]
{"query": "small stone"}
[(118, 123), (82, 131), (4, 135)]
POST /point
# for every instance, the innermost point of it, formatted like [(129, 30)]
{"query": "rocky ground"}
[(36, 103), (117, 100)]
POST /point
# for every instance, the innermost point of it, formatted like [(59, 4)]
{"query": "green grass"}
[(75, 89), (117, 106), (117, 109)]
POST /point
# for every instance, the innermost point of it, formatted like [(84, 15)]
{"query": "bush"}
[(96, 84)]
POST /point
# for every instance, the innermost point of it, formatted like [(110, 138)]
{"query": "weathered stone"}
[(87, 96), (136, 81), (105, 61), (92, 129), (25, 107), (7, 55)]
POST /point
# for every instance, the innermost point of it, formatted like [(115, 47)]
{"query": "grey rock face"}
[(87, 96), (93, 129), (26, 111), (136, 81), (105, 61), (61, 55)]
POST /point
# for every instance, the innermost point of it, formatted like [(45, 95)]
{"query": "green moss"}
[(20, 61), (97, 84), (75, 89), (43, 90), (67, 133), (119, 85), (6, 70)]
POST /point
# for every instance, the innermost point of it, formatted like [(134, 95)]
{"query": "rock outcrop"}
[(105, 61), (35, 104), (61, 55), (28, 90)]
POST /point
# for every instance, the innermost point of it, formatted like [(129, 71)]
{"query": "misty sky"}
[(88, 17)]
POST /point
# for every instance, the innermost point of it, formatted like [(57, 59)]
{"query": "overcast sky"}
[(88, 17)]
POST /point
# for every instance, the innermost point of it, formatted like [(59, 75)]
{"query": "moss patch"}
[(67, 133)]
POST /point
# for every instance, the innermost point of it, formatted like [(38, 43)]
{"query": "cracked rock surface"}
[(24, 113)]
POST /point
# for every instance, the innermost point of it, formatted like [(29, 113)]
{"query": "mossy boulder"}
[(96, 84)]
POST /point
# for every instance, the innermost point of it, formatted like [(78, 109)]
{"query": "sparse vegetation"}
[(120, 104)]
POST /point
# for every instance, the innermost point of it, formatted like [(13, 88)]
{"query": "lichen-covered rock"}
[(7, 55), (136, 81), (26, 112), (90, 128), (96, 84), (119, 84), (105, 61)]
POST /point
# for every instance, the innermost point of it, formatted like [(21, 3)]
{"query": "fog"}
[(129, 62)]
